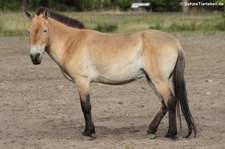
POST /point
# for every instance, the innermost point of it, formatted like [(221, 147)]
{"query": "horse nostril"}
[(35, 56)]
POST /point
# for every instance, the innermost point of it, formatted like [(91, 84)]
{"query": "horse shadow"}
[(72, 130)]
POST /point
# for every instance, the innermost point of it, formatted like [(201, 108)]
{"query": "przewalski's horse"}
[(87, 56)]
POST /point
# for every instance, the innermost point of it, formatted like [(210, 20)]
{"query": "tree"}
[(137, 1), (24, 4), (165, 5), (185, 7)]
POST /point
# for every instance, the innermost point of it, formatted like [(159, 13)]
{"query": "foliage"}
[(164, 5), (156, 26), (88, 5), (222, 1), (183, 27), (122, 4), (106, 27), (10, 4), (64, 5)]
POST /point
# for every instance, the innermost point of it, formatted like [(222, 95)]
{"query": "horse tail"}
[(181, 93)]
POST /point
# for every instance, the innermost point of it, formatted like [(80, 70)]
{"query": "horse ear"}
[(41, 10), (46, 14), (28, 14)]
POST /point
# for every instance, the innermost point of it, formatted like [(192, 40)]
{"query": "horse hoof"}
[(88, 138), (152, 136), (171, 136)]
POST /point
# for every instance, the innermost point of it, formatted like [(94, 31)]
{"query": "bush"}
[(183, 27), (10, 5), (220, 26), (157, 26), (122, 4), (106, 27)]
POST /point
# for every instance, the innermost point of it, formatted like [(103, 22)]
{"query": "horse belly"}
[(119, 73)]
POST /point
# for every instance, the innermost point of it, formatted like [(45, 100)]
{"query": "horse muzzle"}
[(36, 58), (36, 53)]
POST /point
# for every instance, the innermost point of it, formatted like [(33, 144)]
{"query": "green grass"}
[(16, 23), (106, 27)]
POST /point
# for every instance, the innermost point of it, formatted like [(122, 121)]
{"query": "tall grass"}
[(171, 22), (15, 23), (106, 27)]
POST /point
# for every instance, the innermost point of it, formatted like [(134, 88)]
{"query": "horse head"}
[(38, 35)]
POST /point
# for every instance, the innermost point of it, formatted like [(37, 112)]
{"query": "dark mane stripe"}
[(61, 18)]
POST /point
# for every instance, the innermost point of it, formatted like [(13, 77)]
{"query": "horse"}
[(87, 56)]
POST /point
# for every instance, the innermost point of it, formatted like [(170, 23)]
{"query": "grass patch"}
[(156, 27), (13, 24), (193, 26), (220, 26), (183, 27), (198, 23), (106, 27), (16, 23), (13, 33)]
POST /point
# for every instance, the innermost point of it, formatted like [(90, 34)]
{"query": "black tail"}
[(181, 93)]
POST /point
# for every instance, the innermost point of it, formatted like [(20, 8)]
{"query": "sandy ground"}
[(41, 109)]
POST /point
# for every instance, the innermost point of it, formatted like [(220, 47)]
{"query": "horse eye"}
[(45, 31), (28, 32)]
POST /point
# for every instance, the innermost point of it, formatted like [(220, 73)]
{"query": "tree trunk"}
[(24, 4), (102, 4), (185, 6)]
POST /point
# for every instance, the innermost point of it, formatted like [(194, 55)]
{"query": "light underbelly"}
[(118, 78), (119, 71), (114, 82)]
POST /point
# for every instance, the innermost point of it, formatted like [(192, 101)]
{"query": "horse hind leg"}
[(171, 104), (156, 121), (153, 127), (162, 90)]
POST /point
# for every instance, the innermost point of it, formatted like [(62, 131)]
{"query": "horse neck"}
[(59, 34)]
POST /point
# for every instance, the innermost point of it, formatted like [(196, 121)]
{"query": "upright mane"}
[(61, 18)]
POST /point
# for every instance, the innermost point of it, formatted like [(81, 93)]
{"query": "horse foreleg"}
[(156, 121), (86, 108), (83, 88)]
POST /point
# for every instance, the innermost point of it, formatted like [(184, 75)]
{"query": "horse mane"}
[(61, 18)]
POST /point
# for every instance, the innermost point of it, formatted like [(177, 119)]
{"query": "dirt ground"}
[(39, 108)]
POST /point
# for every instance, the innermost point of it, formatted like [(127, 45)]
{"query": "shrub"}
[(183, 27), (157, 26), (106, 27)]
